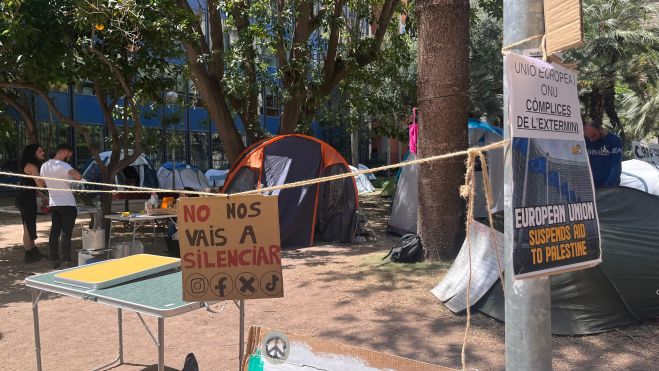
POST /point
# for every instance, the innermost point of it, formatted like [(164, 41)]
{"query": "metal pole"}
[(528, 309), (241, 346), (120, 328), (161, 344), (35, 318)]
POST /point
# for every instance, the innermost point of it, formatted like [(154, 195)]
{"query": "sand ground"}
[(339, 293)]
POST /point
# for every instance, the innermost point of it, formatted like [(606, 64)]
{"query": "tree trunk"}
[(292, 110), (443, 85), (232, 142), (596, 107), (106, 205), (354, 147), (609, 105), (209, 89)]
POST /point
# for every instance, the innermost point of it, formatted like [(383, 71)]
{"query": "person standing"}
[(605, 154), (62, 204), (26, 200)]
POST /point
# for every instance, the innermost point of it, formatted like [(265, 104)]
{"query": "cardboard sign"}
[(646, 152), (563, 24), (271, 350), (555, 222), (230, 248)]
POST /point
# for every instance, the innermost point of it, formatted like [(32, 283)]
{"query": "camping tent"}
[(363, 184), (640, 175), (325, 211), (370, 176), (405, 204), (622, 290), (404, 207), (216, 177), (139, 173), (181, 176)]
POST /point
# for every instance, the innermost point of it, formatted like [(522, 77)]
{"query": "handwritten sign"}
[(555, 222), (230, 248), (563, 24)]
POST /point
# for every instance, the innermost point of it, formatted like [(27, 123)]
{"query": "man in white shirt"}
[(62, 204)]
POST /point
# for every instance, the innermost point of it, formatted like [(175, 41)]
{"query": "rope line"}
[(467, 191), (136, 189), (520, 43)]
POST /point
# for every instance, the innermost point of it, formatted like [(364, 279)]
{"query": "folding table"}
[(137, 220), (159, 296)]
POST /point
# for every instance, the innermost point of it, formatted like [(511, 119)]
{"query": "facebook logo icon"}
[(221, 285)]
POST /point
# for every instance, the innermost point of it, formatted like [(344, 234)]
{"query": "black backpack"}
[(408, 249)]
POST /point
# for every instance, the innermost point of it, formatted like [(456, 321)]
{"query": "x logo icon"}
[(247, 284)]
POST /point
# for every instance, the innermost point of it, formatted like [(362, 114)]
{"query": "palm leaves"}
[(620, 53)]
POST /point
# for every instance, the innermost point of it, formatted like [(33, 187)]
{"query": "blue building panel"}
[(86, 110), (199, 119), (239, 124), (174, 116), (272, 125), (61, 100), (151, 116)]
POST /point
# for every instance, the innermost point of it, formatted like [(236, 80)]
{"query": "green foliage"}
[(125, 47), (383, 93), (619, 59), (486, 67)]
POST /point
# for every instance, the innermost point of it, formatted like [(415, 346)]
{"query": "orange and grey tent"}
[(325, 211)]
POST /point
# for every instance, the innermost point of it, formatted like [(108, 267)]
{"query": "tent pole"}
[(527, 302)]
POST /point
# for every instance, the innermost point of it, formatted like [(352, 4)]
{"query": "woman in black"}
[(26, 201)]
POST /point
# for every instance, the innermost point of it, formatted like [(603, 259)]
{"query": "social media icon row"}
[(244, 284)]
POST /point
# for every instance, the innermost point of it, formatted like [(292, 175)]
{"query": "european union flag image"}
[(538, 165), (554, 178)]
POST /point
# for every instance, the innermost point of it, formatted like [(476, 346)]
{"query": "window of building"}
[(199, 150), (270, 103), (220, 160), (84, 87)]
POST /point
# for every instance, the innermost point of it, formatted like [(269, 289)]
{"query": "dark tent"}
[(623, 289), (325, 211)]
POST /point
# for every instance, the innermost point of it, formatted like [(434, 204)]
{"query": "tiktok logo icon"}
[(271, 283)]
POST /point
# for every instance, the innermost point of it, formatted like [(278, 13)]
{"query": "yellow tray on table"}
[(116, 271)]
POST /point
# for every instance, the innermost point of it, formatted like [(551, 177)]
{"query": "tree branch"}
[(387, 12), (195, 27), (27, 116), (333, 42), (216, 66), (279, 42), (128, 102), (301, 33)]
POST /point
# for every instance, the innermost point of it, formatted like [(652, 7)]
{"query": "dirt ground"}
[(339, 293)]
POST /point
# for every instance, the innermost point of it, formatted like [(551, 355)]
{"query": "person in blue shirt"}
[(605, 154)]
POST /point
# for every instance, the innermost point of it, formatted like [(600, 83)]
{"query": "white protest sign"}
[(646, 152), (554, 213)]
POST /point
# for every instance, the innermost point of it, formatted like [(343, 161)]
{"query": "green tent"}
[(622, 290)]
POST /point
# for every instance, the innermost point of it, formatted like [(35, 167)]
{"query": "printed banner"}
[(646, 152), (554, 213), (230, 248)]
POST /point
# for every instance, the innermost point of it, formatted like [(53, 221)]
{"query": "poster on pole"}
[(555, 224), (230, 248), (646, 152)]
